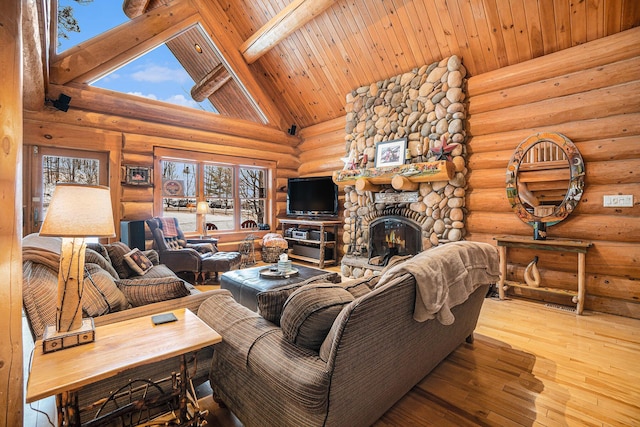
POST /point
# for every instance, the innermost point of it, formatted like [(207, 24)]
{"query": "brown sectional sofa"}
[(343, 354)]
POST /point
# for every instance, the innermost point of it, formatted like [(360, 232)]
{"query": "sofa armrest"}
[(192, 302)]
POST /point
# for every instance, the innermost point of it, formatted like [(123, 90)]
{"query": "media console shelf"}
[(310, 249), (559, 245)]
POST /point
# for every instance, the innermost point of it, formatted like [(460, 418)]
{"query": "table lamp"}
[(75, 212), (203, 209)]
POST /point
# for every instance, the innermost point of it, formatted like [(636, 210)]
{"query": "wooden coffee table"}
[(118, 346)]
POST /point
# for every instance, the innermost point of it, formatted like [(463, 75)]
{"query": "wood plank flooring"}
[(530, 365)]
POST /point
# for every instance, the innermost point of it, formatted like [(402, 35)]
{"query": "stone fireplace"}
[(392, 235), (425, 106)]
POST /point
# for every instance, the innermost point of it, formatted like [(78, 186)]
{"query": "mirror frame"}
[(576, 180)]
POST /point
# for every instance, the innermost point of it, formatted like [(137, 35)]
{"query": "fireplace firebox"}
[(393, 235)]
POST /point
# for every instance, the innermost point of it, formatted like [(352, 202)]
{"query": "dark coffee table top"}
[(246, 284)]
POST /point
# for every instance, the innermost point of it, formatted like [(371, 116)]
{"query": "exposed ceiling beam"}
[(286, 22), (134, 8), (108, 51), (210, 83), (225, 37)]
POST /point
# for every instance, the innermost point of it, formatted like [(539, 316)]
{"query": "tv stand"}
[(310, 249)]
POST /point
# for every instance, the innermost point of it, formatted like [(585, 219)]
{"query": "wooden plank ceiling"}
[(331, 47)]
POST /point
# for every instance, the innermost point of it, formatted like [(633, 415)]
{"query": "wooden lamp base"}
[(54, 341)]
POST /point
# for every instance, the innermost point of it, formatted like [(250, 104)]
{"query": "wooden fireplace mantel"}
[(402, 177)]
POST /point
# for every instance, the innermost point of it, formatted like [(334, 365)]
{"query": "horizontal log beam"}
[(281, 26), (210, 83), (609, 49), (134, 8), (155, 116), (613, 100), (441, 170), (568, 84), (613, 126), (108, 51)]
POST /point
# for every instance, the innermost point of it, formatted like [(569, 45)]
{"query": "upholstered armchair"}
[(180, 256), (173, 249)]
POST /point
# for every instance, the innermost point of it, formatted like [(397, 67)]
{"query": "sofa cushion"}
[(144, 291), (137, 261), (40, 287), (101, 295), (270, 302), (117, 251), (95, 257), (309, 312)]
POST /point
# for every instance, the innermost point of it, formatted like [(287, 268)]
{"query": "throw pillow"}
[(93, 257), (100, 293), (147, 291), (270, 302), (309, 312), (117, 251), (138, 262)]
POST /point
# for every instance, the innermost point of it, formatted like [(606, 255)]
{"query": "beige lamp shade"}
[(79, 211), (202, 208)]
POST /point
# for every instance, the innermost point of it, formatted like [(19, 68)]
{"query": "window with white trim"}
[(237, 191)]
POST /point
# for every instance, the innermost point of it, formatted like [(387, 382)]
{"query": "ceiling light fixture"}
[(198, 48)]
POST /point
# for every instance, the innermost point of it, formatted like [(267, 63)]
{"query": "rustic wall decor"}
[(137, 175)]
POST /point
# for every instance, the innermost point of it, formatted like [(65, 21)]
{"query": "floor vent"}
[(561, 307)]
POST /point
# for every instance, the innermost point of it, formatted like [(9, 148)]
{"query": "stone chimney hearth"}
[(426, 106)]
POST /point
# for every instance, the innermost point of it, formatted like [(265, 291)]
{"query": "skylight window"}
[(186, 70), (156, 75)]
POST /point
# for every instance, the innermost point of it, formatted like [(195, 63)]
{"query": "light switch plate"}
[(618, 201)]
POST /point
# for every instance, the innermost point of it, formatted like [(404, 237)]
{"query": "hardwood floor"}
[(530, 365)]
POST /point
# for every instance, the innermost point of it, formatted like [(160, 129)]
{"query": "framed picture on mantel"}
[(390, 153)]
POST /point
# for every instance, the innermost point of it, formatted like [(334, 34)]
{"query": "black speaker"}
[(292, 130), (132, 234), (62, 103)]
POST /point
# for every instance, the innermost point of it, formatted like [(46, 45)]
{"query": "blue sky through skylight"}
[(155, 75)]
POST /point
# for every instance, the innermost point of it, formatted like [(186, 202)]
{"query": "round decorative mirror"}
[(545, 178)]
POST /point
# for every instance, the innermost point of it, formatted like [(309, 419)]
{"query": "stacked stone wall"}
[(427, 107)]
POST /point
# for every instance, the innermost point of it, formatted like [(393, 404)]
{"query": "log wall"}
[(588, 93), (132, 142)]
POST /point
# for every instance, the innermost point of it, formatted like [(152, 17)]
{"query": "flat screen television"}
[(312, 197)]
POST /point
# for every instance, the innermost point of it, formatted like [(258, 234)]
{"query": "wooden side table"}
[(559, 245), (118, 346)]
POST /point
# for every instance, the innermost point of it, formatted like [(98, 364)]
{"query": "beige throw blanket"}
[(446, 275)]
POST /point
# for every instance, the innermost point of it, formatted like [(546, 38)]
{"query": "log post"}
[(11, 365)]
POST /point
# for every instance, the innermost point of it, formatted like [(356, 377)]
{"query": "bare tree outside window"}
[(67, 22), (57, 169), (252, 194)]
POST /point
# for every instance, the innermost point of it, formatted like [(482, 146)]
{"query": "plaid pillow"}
[(101, 295), (309, 313)]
